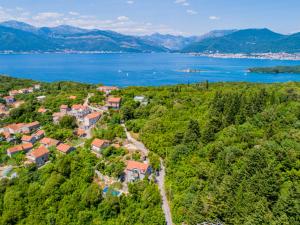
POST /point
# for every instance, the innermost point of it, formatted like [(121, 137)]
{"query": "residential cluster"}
[(31, 139)]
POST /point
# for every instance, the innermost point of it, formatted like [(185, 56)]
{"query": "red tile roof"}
[(93, 115), (39, 152), (80, 132), (49, 141), (16, 126), (63, 148), (19, 148), (99, 143), (131, 165), (33, 124), (79, 107), (40, 133), (114, 99), (27, 138)]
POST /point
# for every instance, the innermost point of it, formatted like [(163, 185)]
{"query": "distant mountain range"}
[(17, 36)]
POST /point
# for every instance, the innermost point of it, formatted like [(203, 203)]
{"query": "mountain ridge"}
[(66, 38)]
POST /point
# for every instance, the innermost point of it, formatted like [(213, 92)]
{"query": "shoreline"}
[(264, 56)]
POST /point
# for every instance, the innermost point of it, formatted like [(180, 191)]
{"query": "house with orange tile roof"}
[(80, 132), (16, 128), (64, 148), (136, 170), (39, 134), (99, 144), (91, 119), (7, 136), (107, 89), (113, 102), (28, 139), (39, 156), (13, 92), (33, 126), (49, 142), (25, 147), (79, 111)]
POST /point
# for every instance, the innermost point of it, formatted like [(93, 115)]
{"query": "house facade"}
[(91, 119), (39, 156), (28, 139), (113, 102)]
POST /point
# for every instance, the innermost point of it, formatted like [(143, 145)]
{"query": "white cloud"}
[(191, 12), (123, 18), (74, 13), (182, 2), (130, 2), (47, 15), (214, 18), (121, 24)]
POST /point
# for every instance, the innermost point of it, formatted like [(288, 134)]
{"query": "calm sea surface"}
[(137, 69)]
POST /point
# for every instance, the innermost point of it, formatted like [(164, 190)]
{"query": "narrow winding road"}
[(160, 179)]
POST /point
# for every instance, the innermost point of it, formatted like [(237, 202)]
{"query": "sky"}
[(140, 17)]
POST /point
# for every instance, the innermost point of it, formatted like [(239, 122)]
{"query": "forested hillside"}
[(231, 150)]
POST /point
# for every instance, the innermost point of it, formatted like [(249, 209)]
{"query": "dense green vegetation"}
[(231, 150), (63, 192), (276, 69)]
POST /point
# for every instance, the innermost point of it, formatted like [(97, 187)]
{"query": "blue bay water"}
[(138, 69)]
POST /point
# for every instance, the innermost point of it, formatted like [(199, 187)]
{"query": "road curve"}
[(160, 178)]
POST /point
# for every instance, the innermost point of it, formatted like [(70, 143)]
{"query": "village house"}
[(136, 170), (91, 119), (113, 102), (37, 86), (64, 148), (141, 99), (13, 92), (107, 89), (49, 142), (80, 132), (28, 139), (16, 128), (79, 111), (98, 144), (19, 148), (33, 126), (39, 134), (9, 99), (7, 136), (64, 109), (39, 156)]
